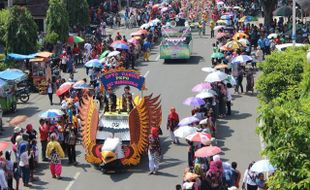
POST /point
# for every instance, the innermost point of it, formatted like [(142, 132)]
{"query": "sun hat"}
[(17, 129)]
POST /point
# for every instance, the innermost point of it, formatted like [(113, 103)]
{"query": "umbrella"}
[(222, 22), (134, 41), (120, 46), (193, 101), (203, 138), (208, 69), (273, 35), (241, 59), (137, 33), (239, 35), (245, 42), (220, 3), (118, 42), (283, 11), (3, 145), (190, 176), (262, 166), (230, 79), (201, 86), (13, 75), (188, 121), (65, 87), (234, 45), (81, 86), (93, 63), (51, 113), (207, 151), (206, 94), (104, 54), (217, 55), (225, 17), (184, 131), (147, 25), (75, 39), (18, 120), (220, 35), (203, 122), (237, 8), (218, 27), (221, 66), (113, 53), (248, 19), (216, 77)]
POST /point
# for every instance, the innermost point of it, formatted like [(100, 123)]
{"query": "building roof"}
[(38, 8)]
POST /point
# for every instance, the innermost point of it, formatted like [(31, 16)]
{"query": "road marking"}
[(77, 174), (157, 58), (145, 75)]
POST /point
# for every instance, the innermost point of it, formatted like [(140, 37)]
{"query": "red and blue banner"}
[(119, 78)]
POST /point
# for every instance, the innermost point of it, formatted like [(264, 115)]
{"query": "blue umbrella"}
[(51, 113), (13, 75), (188, 121), (120, 46), (20, 57), (193, 101), (241, 59), (225, 17), (93, 63), (146, 45)]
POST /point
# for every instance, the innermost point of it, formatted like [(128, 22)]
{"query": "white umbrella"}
[(241, 59), (146, 26), (208, 69), (206, 94), (273, 35), (218, 27), (113, 53), (204, 121), (262, 166), (184, 131), (216, 77)]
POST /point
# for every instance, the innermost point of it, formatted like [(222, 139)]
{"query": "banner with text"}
[(120, 78)]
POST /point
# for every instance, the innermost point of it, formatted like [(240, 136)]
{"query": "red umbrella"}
[(134, 41), (203, 138), (65, 87), (221, 35), (3, 145), (119, 41), (207, 151), (142, 31)]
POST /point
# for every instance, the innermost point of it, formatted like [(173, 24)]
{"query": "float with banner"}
[(117, 135), (177, 43)]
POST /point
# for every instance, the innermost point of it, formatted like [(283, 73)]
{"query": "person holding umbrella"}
[(172, 124)]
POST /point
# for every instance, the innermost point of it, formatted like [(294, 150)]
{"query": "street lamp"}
[(308, 56)]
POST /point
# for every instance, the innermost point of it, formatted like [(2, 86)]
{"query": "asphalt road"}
[(173, 81)]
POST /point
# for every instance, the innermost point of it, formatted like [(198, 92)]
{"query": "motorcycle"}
[(23, 94)]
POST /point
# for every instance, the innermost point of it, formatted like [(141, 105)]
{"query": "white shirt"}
[(247, 179), (49, 89), (24, 159), (3, 182)]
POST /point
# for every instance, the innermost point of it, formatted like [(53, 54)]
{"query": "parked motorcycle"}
[(23, 94)]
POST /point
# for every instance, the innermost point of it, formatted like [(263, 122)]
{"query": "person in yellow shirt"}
[(55, 152), (212, 25)]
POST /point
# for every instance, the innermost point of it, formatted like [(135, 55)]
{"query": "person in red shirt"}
[(43, 129)]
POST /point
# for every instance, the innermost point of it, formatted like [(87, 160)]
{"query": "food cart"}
[(7, 97), (41, 70)]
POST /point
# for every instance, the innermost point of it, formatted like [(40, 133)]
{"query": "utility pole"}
[(10, 3), (294, 23)]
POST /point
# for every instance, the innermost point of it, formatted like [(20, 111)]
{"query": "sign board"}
[(119, 78)]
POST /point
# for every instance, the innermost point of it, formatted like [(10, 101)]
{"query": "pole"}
[(294, 23)]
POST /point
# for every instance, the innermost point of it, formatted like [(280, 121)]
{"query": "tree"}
[(4, 17), (21, 35), (78, 12), (57, 21), (268, 7), (286, 121)]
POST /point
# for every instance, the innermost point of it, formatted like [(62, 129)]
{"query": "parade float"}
[(114, 137), (177, 42)]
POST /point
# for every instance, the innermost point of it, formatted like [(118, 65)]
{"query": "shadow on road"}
[(194, 60), (29, 111), (236, 115)]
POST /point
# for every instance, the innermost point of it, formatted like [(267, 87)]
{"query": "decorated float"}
[(117, 135)]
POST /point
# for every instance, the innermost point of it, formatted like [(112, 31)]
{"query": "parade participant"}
[(55, 152), (43, 129), (110, 101), (9, 170), (127, 100), (3, 182), (31, 132), (236, 174), (250, 80), (71, 137), (50, 91), (154, 151), (249, 179), (24, 164), (172, 124)]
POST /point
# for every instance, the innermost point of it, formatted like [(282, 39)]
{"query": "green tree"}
[(57, 20), (78, 13), (286, 121), (4, 17), (21, 34)]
